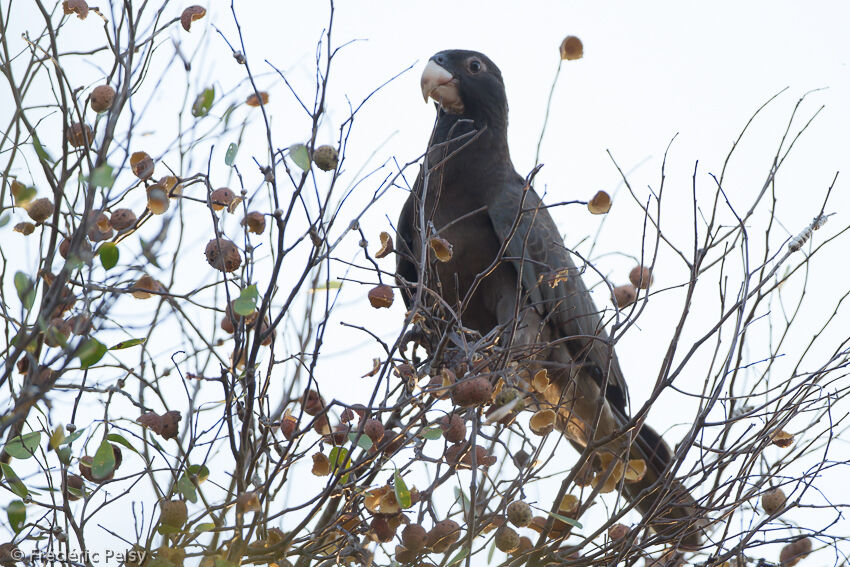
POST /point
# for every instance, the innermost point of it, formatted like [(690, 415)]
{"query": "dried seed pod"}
[(247, 502), (80, 135), (157, 199), (74, 488), (381, 529), (313, 403), (641, 277), (255, 221), (165, 425), (542, 422), (173, 513), (25, 228), (101, 98), (40, 210), (507, 539), (454, 428), (374, 429), (78, 7), (122, 219), (144, 286), (792, 553), (321, 464), (57, 333), (223, 255), (599, 204), (254, 100), (782, 439), (191, 14), (472, 392), (84, 249), (386, 245), (525, 545), (442, 248), (460, 455), (414, 537), (773, 500), (221, 198), (326, 158), (618, 532), (624, 295), (571, 48), (142, 165), (381, 296), (288, 425), (635, 470), (443, 535), (519, 513)]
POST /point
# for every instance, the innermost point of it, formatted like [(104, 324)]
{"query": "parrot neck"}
[(474, 148)]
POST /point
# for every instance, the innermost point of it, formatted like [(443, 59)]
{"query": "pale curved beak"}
[(439, 84)]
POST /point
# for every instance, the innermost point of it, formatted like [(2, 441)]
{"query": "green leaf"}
[(203, 103), (25, 195), (460, 556), (298, 153), (187, 489), (204, 527), (230, 155), (338, 457), (103, 462), (56, 438), (224, 563), (72, 437), (23, 446), (25, 288), (431, 433), (64, 454), (91, 352), (128, 343), (116, 438), (39, 149), (4, 220), (17, 513), (246, 303), (333, 284), (402, 494), (491, 552), (16, 485), (102, 176), (108, 253), (364, 442), (566, 520)]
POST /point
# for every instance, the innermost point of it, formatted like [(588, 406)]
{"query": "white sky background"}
[(650, 71)]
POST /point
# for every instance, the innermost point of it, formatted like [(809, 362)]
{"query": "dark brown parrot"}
[(509, 273)]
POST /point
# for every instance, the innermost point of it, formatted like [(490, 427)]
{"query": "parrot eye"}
[(474, 66)]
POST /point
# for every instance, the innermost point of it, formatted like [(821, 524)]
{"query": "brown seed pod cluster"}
[(223, 255), (443, 535), (40, 210), (460, 455), (122, 219), (165, 425)]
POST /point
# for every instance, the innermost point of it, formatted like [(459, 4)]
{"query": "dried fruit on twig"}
[(255, 221), (542, 422), (157, 199), (247, 502), (641, 277), (472, 392), (142, 165), (223, 255), (507, 539), (221, 198), (254, 100), (122, 219), (374, 429), (78, 7), (519, 513), (321, 465), (414, 537), (173, 513), (101, 98), (386, 245), (25, 228), (144, 286), (443, 535), (326, 158), (571, 48), (74, 488), (382, 530), (600, 203), (624, 295), (80, 135), (65, 248), (460, 455), (773, 500), (782, 439), (635, 470), (191, 14), (312, 403), (381, 296), (454, 428), (442, 248), (40, 210), (165, 425), (618, 532), (792, 553)]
